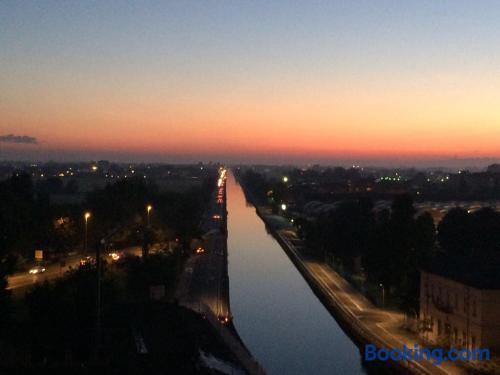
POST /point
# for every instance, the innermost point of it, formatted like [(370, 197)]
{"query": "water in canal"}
[(275, 312)]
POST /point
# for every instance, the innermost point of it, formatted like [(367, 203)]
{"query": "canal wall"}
[(349, 323), (230, 338), (353, 326), (211, 299)]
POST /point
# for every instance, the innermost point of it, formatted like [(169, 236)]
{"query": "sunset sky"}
[(250, 80)]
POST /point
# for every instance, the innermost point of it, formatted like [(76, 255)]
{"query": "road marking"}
[(346, 293), (417, 363)]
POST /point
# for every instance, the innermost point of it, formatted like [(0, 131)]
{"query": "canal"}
[(275, 312)]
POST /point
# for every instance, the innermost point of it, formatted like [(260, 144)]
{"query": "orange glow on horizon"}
[(258, 80), (366, 121)]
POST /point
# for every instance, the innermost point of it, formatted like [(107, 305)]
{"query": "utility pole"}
[(145, 242), (97, 344), (383, 294), (86, 217), (98, 326)]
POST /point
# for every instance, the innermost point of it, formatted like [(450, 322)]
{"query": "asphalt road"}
[(205, 279), (378, 323), (21, 280), (53, 271)]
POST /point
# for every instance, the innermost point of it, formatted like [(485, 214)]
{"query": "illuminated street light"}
[(285, 179), (283, 207), (86, 216), (148, 209)]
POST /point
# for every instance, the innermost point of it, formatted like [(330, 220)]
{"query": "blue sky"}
[(60, 62)]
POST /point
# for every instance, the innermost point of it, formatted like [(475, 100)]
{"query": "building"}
[(493, 168), (460, 303)]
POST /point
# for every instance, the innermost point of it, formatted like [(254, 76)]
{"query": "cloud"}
[(11, 138)]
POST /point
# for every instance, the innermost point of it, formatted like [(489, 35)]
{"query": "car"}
[(36, 270), (114, 256), (87, 261), (224, 319)]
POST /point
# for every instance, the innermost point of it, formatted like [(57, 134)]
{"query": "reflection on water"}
[(275, 312)]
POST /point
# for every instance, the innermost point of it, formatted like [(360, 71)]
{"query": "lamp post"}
[(146, 233), (383, 294), (86, 216), (148, 210)]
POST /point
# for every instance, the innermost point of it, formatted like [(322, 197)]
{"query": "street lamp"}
[(285, 179), (383, 294), (148, 210), (283, 207), (86, 216)]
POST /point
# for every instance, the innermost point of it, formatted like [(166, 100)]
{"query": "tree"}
[(400, 246), (425, 238), (6, 267), (20, 221), (454, 232), (118, 204), (376, 262), (61, 314), (156, 269), (484, 231), (351, 228), (71, 187), (256, 184)]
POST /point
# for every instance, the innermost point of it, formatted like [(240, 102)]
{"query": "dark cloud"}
[(11, 138)]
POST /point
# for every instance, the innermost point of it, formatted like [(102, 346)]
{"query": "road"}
[(205, 279), (18, 282), (53, 271), (204, 283), (377, 325)]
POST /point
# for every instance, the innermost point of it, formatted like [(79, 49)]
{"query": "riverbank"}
[(360, 319), (204, 283)]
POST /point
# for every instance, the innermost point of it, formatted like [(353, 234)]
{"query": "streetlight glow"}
[(86, 216), (285, 179), (283, 207), (148, 210)]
